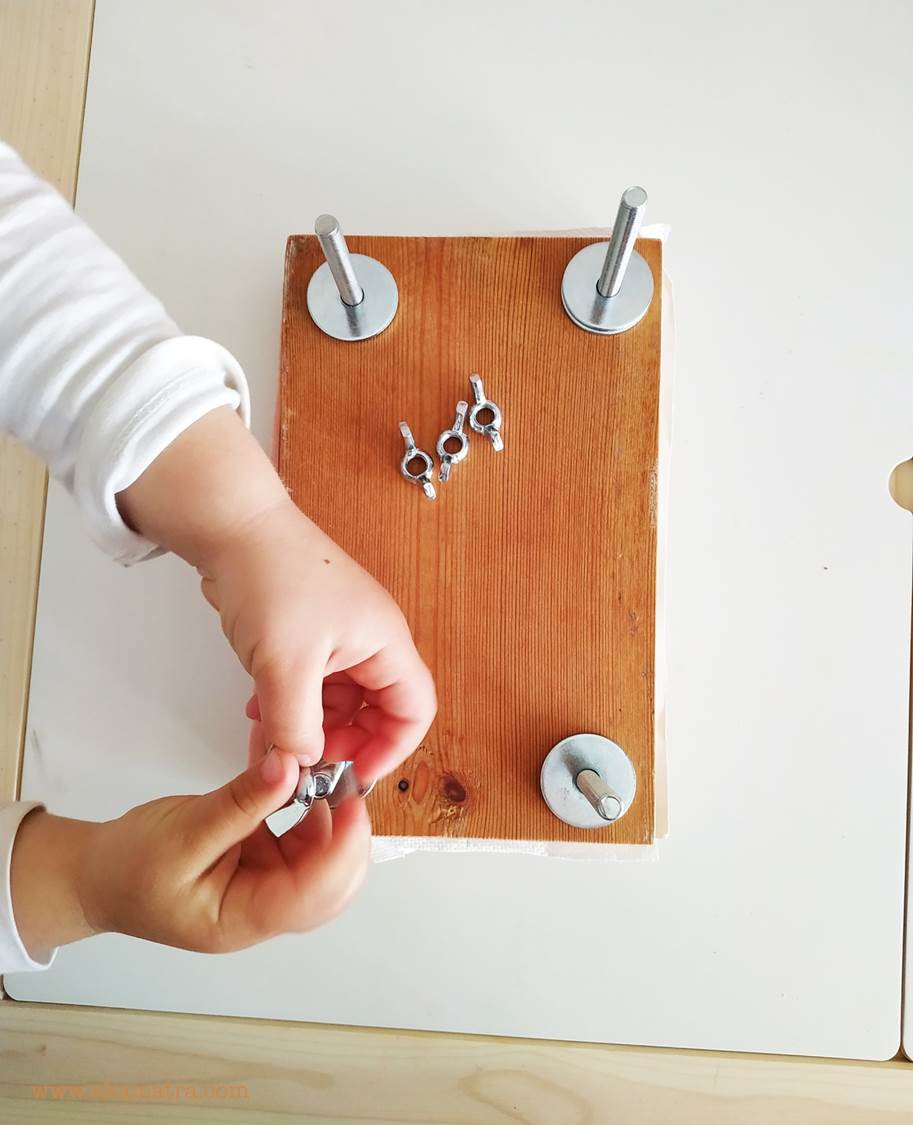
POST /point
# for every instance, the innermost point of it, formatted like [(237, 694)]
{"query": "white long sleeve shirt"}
[(97, 379)]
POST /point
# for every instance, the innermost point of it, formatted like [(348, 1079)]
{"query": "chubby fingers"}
[(223, 818), (320, 865), (328, 853), (290, 702), (399, 707), (342, 699), (256, 741)]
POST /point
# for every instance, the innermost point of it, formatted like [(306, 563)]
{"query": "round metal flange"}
[(570, 757), (353, 322), (606, 315)]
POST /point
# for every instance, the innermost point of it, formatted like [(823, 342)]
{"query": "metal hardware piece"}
[(342, 783), (333, 782), (284, 819), (350, 296), (455, 433), (588, 781), (306, 793), (608, 287), (413, 453), (492, 428), (333, 244), (600, 796)]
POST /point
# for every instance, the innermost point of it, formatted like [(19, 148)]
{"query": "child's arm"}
[(145, 426), (94, 374), (200, 873), (335, 670)]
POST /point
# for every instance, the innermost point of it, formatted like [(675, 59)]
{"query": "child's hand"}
[(206, 873), (335, 671), (330, 652), (201, 873)]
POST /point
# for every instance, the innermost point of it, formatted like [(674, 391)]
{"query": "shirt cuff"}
[(161, 394), (14, 957)]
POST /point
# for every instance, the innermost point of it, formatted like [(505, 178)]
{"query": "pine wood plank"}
[(44, 60), (132, 1066), (530, 582)]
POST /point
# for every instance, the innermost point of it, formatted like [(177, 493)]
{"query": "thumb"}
[(229, 815), (291, 708)]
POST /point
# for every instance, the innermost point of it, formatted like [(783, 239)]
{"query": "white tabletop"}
[(772, 141)]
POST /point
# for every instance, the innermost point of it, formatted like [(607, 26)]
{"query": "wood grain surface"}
[(95, 1065), (530, 582), (312, 1073), (44, 60)]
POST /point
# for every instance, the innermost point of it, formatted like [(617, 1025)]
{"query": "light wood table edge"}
[(44, 50), (44, 54), (351, 1074)]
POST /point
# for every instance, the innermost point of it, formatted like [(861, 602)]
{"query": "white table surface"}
[(773, 141)]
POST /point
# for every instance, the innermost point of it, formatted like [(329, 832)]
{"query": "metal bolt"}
[(624, 235), (336, 252), (608, 287), (600, 796), (338, 304)]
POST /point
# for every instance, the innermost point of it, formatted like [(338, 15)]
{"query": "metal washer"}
[(605, 315), (353, 322), (563, 763)]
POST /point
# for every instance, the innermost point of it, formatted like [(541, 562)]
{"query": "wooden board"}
[(85, 1065), (44, 59), (530, 582)]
